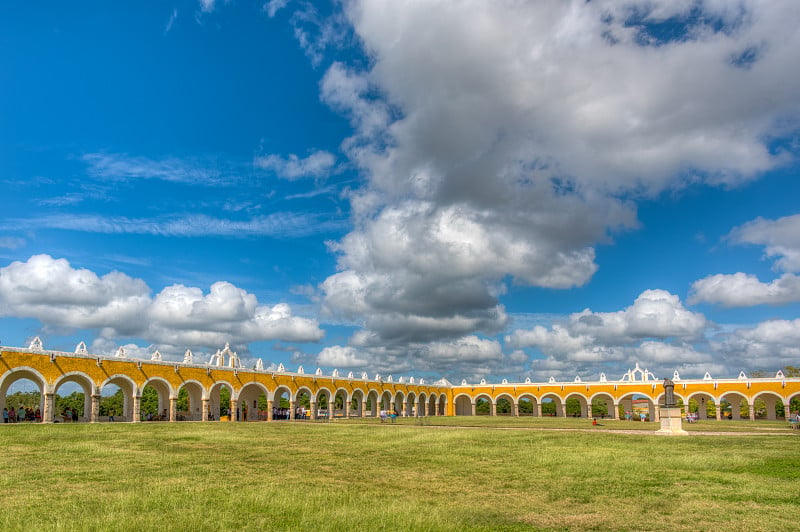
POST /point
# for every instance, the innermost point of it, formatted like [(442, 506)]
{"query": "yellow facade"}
[(50, 369)]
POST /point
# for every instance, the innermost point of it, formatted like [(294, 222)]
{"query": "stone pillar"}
[(657, 414), (232, 410), (363, 406), (538, 409), (206, 408), (736, 408), (492, 409), (752, 408), (94, 414), (563, 409), (718, 406), (49, 408), (405, 408), (515, 411), (173, 409), (269, 409), (293, 407), (787, 410), (313, 407), (474, 411), (136, 416), (614, 411)]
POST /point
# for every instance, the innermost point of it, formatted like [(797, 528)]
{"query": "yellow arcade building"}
[(637, 392)]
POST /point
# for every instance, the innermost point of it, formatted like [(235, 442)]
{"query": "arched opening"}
[(190, 402), (219, 402), (116, 399), (637, 407), (303, 401), (73, 398), (356, 403), (766, 406), (702, 406), (253, 402), (386, 401), (323, 402), (551, 406), (154, 404), (21, 391), (399, 399), (442, 405), (411, 405), (372, 406), (734, 406), (504, 406), (576, 405), (463, 406), (483, 405), (282, 404), (603, 406), (432, 405), (526, 405), (341, 404)]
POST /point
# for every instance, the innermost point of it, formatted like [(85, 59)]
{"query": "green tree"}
[(72, 402), (224, 400), (23, 399), (149, 401), (182, 404), (503, 406), (573, 407), (525, 406), (112, 405)]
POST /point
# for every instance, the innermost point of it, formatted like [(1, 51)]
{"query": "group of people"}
[(388, 414), (21, 414)]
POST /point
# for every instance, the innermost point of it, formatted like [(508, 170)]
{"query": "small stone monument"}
[(670, 413)]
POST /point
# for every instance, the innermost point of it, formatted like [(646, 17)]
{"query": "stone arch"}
[(582, 409), (341, 400), (252, 402), (193, 409), (397, 404), (411, 404), (373, 400), (217, 410), (770, 400), (281, 399), (463, 404), (164, 392), (385, 402), (88, 387), (732, 403), (46, 409), (703, 403), (422, 404), (318, 410), (303, 399), (602, 405), (130, 406), (432, 406), (442, 405), (557, 408), (482, 404), (504, 405), (528, 405), (357, 404), (634, 404)]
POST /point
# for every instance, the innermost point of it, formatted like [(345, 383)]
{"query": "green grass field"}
[(369, 476)]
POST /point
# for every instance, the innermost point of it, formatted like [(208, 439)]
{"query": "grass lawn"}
[(369, 476)]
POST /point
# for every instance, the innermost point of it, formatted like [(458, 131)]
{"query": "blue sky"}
[(468, 190)]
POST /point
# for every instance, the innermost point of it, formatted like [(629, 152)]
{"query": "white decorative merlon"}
[(377, 376), (742, 376), (300, 370), (390, 379), (505, 381), (577, 378), (483, 381), (80, 349), (188, 357), (707, 377), (281, 368), (36, 344), (120, 352), (779, 375), (364, 375), (318, 372), (260, 365), (676, 376), (603, 377), (401, 380), (463, 382), (350, 375), (422, 381), (335, 373), (156, 356), (552, 379)]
